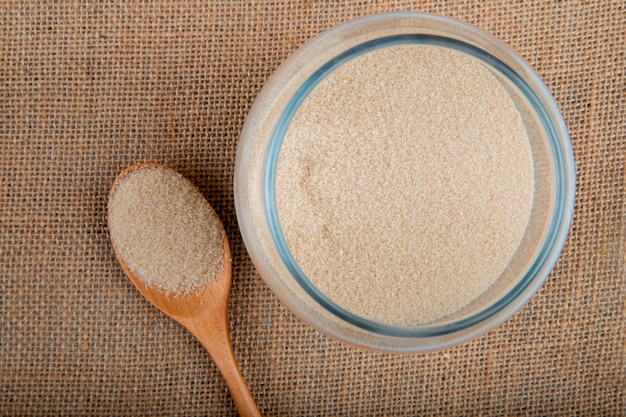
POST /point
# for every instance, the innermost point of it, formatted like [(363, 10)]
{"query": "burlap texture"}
[(89, 89)]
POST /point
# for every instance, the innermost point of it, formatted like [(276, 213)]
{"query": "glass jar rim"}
[(547, 255)]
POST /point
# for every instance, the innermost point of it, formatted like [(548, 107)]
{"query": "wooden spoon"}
[(203, 313)]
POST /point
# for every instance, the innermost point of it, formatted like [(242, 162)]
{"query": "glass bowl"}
[(259, 146)]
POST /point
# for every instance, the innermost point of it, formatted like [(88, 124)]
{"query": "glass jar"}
[(259, 147)]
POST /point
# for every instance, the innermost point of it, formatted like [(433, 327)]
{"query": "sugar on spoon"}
[(173, 247)]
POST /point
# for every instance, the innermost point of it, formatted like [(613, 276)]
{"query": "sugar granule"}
[(165, 231), (405, 183)]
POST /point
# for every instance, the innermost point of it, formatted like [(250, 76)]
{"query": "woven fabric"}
[(87, 89)]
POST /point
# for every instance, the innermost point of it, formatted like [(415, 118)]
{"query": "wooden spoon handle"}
[(215, 337), (224, 358)]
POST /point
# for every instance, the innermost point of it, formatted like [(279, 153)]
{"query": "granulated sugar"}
[(165, 231), (405, 182)]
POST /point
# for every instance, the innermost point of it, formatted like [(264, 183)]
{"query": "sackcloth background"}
[(89, 88)]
